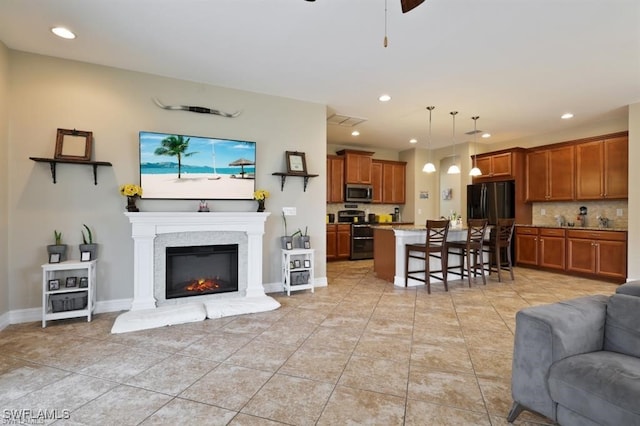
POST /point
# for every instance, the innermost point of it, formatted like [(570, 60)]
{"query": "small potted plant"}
[(87, 246), (132, 192), (58, 251), (260, 196), (304, 240)]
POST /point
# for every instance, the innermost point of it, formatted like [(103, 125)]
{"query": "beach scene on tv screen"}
[(174, 166)]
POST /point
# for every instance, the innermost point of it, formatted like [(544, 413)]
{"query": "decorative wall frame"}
[(296, 163), (73, 145)]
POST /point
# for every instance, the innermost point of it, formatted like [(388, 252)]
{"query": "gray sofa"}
[(577, 362)]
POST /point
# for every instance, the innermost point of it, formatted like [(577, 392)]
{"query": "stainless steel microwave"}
[(358, 193)]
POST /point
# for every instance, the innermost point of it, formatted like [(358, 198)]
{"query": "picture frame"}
[(296, 263), (71, 282), (84, 282), (307, 263), (54, 257), (85, 256), (73, 145), (289, 245), (54, 284), (296, 163), (307, 244)]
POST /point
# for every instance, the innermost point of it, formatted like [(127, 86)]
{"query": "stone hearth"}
[(152, 232)]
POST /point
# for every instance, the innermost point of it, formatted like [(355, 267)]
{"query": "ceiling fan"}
[(407, 5)]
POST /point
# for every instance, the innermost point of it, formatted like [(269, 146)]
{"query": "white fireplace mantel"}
[(147, 225)]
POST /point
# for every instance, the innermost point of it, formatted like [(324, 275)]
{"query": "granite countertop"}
[(586, 228)]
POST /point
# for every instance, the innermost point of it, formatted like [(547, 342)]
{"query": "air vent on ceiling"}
[(344, 120), (473, 132)]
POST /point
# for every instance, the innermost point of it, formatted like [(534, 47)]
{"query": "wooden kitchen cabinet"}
[(599, 253), (541, 247), (552, 248), (526, 246), (357, 166), (376, 181), (550, 174), (602, 169), (495, 165), (338, 241), (335, 179)]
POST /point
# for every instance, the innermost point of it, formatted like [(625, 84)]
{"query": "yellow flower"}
[(261, 194), (130, 190)]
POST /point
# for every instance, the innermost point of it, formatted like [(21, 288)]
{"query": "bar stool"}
[(435, 246), (501, 237), (471, 249)]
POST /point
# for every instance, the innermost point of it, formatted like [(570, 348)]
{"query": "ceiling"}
[(517, 64)]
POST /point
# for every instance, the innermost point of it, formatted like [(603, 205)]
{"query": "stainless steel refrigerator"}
[(493, 200)]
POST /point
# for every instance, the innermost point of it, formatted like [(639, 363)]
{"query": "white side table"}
[(68, 302), (297, 270)]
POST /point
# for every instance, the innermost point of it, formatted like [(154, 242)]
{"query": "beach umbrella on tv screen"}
[(242, 162)]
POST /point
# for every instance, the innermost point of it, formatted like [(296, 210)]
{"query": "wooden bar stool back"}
[(499, 242), (471, 251), (435, 246)]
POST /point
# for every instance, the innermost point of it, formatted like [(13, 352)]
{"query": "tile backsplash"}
[(570, 210)]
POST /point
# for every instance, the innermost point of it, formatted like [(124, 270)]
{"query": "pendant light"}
[(475, 171), (453, 168), (429, 167)]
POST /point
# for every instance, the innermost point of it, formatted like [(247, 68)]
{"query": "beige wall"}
[(4, 182), (48, 93)]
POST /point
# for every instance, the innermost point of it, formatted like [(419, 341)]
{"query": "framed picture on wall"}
[(296, 163)]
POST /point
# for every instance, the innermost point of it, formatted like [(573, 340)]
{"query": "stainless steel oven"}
[(361, 241), (361, 234)]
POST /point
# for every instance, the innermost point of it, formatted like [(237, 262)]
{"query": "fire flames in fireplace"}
[(203, 285)]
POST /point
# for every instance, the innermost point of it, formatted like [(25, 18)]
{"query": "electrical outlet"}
[(289, 211), (619, 212), (419, 211), (543, 212)]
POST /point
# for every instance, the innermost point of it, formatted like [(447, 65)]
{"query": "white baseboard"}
[(35, 314)]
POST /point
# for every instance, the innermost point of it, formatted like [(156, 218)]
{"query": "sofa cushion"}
[(631, 288), (622, 325), (603, 386)]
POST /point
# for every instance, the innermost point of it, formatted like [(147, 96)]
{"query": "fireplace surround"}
[(152, 232)]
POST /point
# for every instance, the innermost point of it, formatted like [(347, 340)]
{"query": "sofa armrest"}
[(546, 334)]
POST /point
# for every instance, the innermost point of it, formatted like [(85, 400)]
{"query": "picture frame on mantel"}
[(73, 145), (296, 163)]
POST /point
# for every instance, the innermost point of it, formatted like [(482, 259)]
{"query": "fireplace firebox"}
[(200, 270)]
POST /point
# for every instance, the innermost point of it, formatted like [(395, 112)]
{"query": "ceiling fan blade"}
[(408, 5)]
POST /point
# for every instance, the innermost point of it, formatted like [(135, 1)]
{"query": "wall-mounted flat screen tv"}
[(174, 166)]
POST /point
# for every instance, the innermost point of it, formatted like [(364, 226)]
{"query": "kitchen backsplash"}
[(367, 208), (570, 209)]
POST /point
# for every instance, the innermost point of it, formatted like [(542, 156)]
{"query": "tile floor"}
[(359, 351)]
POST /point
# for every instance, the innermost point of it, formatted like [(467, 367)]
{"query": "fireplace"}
[(201, 270), (154, 232)]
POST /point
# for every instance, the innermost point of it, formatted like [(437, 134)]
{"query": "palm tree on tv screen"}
[(175, 146)]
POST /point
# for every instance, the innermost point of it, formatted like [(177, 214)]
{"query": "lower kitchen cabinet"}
[(338, 241), (601, 253), (542, 247), (594, 253)]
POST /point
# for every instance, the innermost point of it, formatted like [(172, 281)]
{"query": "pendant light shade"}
[(475, 171), (453, 169), (429, 167)]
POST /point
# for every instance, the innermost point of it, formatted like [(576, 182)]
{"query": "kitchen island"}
[(389, 252)]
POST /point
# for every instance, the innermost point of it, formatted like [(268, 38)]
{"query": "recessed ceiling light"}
[(355, 133), (486, 135), (566, 116), (413, 140), (384, 98), (63, 33)]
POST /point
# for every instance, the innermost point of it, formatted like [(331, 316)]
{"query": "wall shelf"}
[(283, 178), (53, 162)]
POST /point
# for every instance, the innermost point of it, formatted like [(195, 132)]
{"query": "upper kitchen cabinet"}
[(335, 179), (357, 166), (602, 169), (499, 165), (389, 181), (550, 174)]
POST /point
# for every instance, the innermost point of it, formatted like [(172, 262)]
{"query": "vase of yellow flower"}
[(260, 195), (132, 192)]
